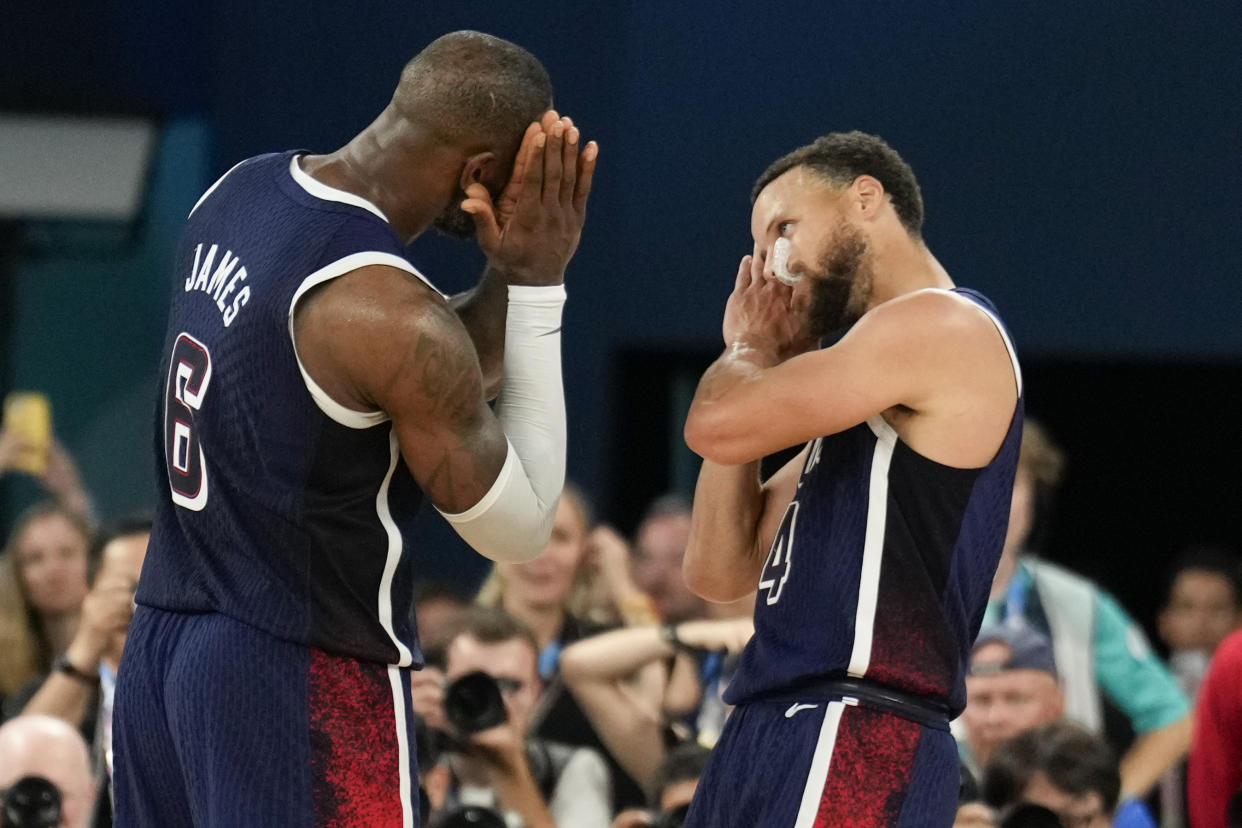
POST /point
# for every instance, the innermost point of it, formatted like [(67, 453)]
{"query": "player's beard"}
[(454, 221), (842, 284)]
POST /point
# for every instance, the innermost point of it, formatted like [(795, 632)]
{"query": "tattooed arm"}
[(374, 339)]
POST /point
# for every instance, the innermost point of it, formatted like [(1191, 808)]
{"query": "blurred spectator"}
[(600, 671), (1012, 687), (659, 547), (80, 687), (674, 784), (46, 747), (552, 596), (1098, 647), (534, 782), (437, 606), (43, 574), (1202, 606), (1215, 767), (60, 476), (1066, 769)]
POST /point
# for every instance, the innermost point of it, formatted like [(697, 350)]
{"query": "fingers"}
[(478, 204), (569, 163), (586, 173), (743, 273), (552, 165)]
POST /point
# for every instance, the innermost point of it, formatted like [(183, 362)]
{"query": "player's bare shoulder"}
[(363, 335)]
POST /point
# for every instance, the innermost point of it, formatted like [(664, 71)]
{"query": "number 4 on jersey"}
[(776, 569), (189, 372)]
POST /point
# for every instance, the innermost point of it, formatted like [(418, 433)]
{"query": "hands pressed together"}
[(532, 229)]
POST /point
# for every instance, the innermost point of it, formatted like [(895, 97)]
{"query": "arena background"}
[(1079, 162)]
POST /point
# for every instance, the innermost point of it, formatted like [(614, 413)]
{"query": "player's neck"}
[(902, 265), (393, 167)]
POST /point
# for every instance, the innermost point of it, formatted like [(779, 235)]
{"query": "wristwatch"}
[(63, 665)]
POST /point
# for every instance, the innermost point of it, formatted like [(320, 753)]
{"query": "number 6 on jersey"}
[(189, 372)]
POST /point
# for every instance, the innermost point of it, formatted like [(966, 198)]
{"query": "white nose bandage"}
[(780, 263)]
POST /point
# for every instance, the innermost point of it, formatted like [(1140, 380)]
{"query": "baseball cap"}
[(1029, 649)]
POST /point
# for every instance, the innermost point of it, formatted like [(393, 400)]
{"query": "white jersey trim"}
[(873, 546), (348, 417), (821, 761), (395, 546), (403, 747), (322, 191), (212, 188)]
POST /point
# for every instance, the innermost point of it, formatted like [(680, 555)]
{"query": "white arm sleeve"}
[(514, 519)]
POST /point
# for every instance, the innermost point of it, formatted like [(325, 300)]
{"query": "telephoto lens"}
[(32, 802), (473, 703)]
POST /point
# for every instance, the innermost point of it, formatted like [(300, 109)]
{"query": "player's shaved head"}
[(473, 88)]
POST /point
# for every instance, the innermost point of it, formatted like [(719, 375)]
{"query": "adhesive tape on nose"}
[(780, 263)]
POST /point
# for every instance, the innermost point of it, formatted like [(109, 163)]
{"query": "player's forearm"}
[(721, 561), (1152, 754), (718, 415), (482, 311)]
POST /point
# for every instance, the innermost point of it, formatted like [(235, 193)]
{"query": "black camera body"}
[(474, 703), (31, 802)]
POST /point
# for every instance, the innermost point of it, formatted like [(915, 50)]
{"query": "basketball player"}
[(317, 387), (874, 548)]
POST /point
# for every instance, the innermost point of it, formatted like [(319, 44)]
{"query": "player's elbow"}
[(713, 436), (713, 583)]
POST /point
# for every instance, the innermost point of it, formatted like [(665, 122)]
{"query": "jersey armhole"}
[(348, 417)]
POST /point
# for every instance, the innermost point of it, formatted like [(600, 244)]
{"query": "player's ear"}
[(479, 169), (868, 193)]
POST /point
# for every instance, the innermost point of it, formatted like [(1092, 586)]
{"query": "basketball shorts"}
[(832, 764), (219, 724)]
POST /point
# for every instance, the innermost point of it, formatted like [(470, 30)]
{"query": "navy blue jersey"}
[(882, 564), (281, 507)]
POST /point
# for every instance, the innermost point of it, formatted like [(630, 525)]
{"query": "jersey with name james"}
[(882, 564), (279, 507)]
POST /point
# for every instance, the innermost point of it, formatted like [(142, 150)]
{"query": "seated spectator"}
[(1011, 687), (43, 581), (1202, 606), (659, 547), (59, 475), (46, 747), (599, 671), (1101, 653), (552, 596), (1066, 769), (534, 782), (79, 688), (1215, 767), (437, 606), (672, 788)]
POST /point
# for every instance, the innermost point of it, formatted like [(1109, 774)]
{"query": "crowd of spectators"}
[(583, 688)]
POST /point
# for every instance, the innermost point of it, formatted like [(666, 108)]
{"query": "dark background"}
[(1079, 162)]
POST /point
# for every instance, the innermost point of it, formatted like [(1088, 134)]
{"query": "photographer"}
[(36, 751), (484, 721)]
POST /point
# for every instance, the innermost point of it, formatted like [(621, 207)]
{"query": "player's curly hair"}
[(840, 157)]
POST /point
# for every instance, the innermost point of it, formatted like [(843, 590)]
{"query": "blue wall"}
[(1079, 161)]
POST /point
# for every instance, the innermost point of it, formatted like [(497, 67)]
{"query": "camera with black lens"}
[(474, 703), (31, 802)]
